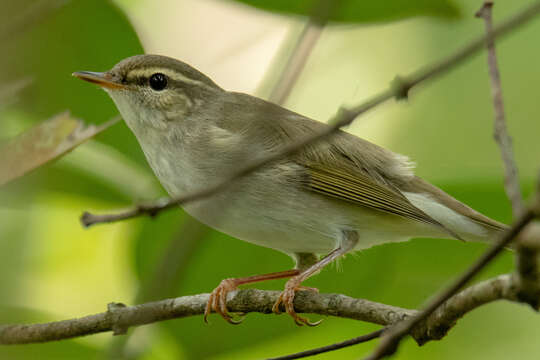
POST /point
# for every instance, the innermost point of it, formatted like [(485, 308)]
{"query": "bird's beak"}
[(103, 79)]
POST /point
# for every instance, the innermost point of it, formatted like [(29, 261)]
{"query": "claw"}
[(218, 298), (218, 302), (287, 298), (275, 307)]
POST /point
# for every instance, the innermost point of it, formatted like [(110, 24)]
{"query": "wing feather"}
[(342, 166), (360, 189)]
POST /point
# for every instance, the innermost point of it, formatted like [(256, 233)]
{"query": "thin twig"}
[(399, 89), (296, 62), (313, 28), (392, 337), (527, 262), (303, 48), (119, 318), (391, 340), (500, 133), (333, 347)]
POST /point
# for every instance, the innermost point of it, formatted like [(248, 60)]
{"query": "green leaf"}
[(362, 11)]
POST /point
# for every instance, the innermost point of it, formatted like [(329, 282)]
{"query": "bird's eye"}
[(158, 81)]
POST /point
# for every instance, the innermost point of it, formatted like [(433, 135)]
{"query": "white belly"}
[(281, 225)]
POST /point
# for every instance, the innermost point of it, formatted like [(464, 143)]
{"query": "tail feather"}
[(465, 227), (467, 222)]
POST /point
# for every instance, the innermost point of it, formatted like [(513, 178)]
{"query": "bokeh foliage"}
[(446, 128), (359, 11)]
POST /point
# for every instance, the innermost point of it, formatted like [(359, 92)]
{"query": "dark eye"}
[(158, 81)]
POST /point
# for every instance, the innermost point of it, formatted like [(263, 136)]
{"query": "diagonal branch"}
[(296, 62), (303, 48), (399, 89), (323, 349), (443, 319), (527, 259), (394, 335)]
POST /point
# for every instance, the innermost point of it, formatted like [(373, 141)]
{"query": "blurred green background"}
[(53, 269)]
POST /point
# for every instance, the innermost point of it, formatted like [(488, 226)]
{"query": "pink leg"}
[(218, 298), (350, 238)]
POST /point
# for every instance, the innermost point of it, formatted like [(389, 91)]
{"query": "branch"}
[(166, 276), (303, 48), (119, 318), (333, 347), (528, 249), (399, 89), (527, 257), (393, 336), (527, 283), (296, 62), (502, 138), (437, 325)]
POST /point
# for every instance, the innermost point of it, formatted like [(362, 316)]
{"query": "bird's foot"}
[(287, 298), (218, 301)]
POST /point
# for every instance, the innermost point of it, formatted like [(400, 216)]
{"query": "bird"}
[(338, 195)]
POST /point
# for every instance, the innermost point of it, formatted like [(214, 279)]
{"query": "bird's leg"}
[(349, 240), (218, 298)]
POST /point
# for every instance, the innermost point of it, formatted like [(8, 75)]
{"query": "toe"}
[(218, 301), (307, 288), (211, 305), (275, 308), (289, 308), (300, 320), (287, 298), (208, 308), (224, 312)]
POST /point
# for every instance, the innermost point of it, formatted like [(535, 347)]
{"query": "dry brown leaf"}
[(43, 143)]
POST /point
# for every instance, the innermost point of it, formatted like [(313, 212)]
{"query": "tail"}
[(468, 223)]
